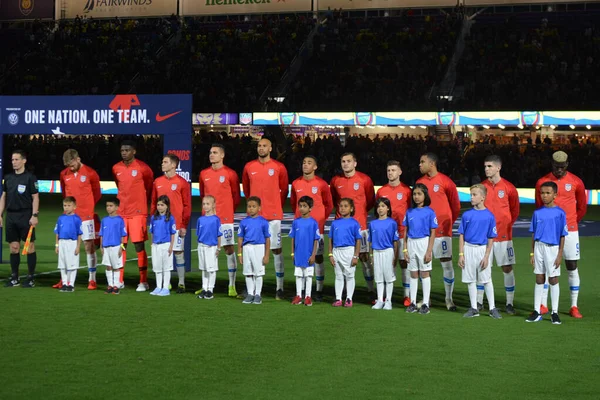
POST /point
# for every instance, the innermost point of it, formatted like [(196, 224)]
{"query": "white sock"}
[(472, 287), (537, 296), (116, 273), (489, 293), (166, 279), (250, 285), (555, 294), (389, 290), (299, 285), (380, 290), (509, 287), (339, 286), (574, 286), (480, 290), (258, 284), (319, 276), (64, 276), (212, 279), (308, 286), (231, 268), (181, 275), (109, 278), (180, 266), (72, 275), (205, 280), (279, 275), (449, 280), (159, 280), (91, 263), (368, 274), (414, 287), (426, 282), (350, 285), (406, 281), (545, 293)]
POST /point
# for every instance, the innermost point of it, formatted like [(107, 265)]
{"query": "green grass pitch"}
[(90, 345)]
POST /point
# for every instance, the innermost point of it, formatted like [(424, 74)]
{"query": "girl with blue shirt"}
[(163, 229), (208, 229)]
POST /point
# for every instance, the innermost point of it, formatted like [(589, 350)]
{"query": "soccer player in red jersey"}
[(317, 189), (223, 184), (134, 183), (399, 195), (358, 187), (179, 192), (573, 200), (503, 201), (445, 203), (267, 179), (82, 183)]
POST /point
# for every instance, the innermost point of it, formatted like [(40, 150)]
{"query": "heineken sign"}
[(211, 7)]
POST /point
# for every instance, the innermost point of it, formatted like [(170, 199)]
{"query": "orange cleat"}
[(92, 285), (407, 301), (543, 310), (58, 285), (297, 300), (308, 301), (574, 312)]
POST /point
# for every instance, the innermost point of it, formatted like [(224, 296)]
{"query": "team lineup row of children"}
[(477, 231)]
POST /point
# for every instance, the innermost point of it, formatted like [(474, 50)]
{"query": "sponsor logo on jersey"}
[(314, 190), (134, 172), (356, 186), (174, 186), (21, 189), (501, 194), (221, 179), (436, 188), (568, 187), (83, 178), (271, 172)]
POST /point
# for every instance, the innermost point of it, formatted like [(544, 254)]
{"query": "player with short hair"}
[(503, 201), (399, 195), (82, 183), (134, 184), (445, 203), (267, 179), (223, 184), (549, 228), (68, 241), (163, 228), (112, 231), (357, 186), (572, 199), (318, 190), (305, 236), (477, 232), (179, 192), (208, 229)]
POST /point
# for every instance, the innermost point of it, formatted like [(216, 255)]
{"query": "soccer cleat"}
[(479, 307), (180, 289), (297, 300), (92, 285), (574, 312), (495, 313), (121, 285), (472, 312), (28, 284), (378, 305), (387, 306), (348, 303), (209, 295), (116, 291), (411, 308), (510, 310), (534, 317), (319, 296), (11, 283), (308, 301), (248, 300), (555, 319), (424, 309), (71, 289), (279, 295), (257, 299), (201, 293), (232, 292), (63, 288), (543, 310), (142, 287), (109, 290), (337, 303), (164, 292), (451, 307), (155, 291), (57, 285), (407, 301)]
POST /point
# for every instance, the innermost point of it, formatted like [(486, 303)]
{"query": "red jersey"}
[(134, 183), (571, 197), (399, 197), (444, 201), (318, 190), (358, 187), (179, 192), (503, 201), (223, 184), (84, 185), (269, 182)]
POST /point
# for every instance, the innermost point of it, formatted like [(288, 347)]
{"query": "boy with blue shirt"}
[(112, 232), (549, 228), (305, 243), (477, 232), (68, 241), (254, 242)]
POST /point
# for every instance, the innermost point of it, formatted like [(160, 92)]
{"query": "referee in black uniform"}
[(21, 200)]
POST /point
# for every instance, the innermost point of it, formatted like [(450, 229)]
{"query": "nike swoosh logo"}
[(253, 173), (207, 179), (158, 187), (68, 179), (339, 187), (298, 190), (161, 118), (118, 174)]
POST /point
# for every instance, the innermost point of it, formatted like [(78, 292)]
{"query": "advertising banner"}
[(26, 9), (215, 118), (212, 7), (119, 8), (323, 5)]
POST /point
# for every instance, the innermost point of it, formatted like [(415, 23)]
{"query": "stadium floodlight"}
[(572, 126), (470, 127), (520, 126), (413, 127), (279, 99), (588, 126), (486, 126), (537, 127), (402, 126), (501, 126), (422, 127), (554, 126)]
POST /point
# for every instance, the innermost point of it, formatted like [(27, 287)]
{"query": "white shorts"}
[(275, 231), (343, 261), (400, 248), (304, 272), (442, 247), (320, 247), (472, 271), (207, 258), (416, 251), (253, 256), (571, 248), (504, 253), (364, 241), (161, 260), (179, 242), (383, 264), (227, 239), (66, 254), (111, 257), (544, 256), (88, 229)]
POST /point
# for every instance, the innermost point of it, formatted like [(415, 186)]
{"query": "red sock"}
[(143, 266), (122, 275)]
